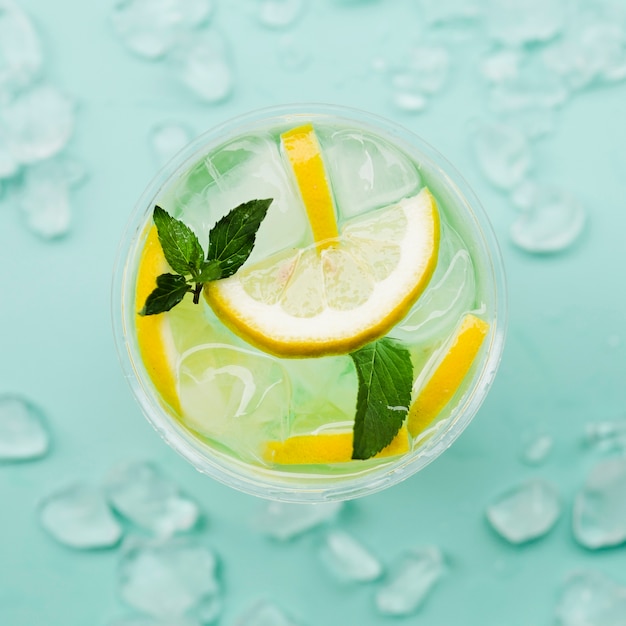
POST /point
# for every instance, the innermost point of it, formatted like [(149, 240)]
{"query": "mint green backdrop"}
[(562, 365)]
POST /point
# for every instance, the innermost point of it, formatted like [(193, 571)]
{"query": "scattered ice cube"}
[(607, 436), (525, 512), (202, 63), (347, 559), (367, 172), (139, 492), (38, 123), (554, 223), (590, 598), (409, 584), (264, 613), (23, 434), (409, 101), (279, 13), (78, 516), (285, 520), (142, 620), (503, 154), (518, 22), (536, 447), (167, 140), (501, 65), (151, 28), (249, 393), (599, 519), (21, 57), (44, 195), (172, 579), (440, 13), (291, 55)]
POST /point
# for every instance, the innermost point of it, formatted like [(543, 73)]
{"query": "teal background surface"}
[(563, 365)]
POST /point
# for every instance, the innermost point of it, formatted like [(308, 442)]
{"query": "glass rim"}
[(319, 488)]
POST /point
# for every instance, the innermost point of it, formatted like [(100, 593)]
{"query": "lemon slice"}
[(152, 329), (449, 373), (326, 448), (313, 302)]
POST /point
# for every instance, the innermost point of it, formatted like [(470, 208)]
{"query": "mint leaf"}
[(209, 270), (180, 245), (170, 290), (385, 374), (231, 240)]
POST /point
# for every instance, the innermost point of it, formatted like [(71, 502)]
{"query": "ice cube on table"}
[(279, 13), (171, 579), (536, 447), (249, 391), (609, 435), (245, 169), (518, 22), (410, 582), (140, 494), (591, 598), (151, 28), (78, 516), (23, 433), (525, 512), (167, 139), (21, 56), (553, 223), (264, 613), (366, 172), (599, 516), (347, 559), (503, 154), (285, 520), (37, 123), (202, 63)]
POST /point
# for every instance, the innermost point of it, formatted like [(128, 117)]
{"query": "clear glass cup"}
[(354, 479)]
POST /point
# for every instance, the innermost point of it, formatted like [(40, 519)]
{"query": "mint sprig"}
[(385, 375), (230, 243)]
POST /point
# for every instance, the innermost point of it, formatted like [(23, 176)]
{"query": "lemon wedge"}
[(448, 374), (326, 448), (152, 329), (313, 302)]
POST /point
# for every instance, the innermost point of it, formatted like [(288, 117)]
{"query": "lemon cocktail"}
[(310, 306)]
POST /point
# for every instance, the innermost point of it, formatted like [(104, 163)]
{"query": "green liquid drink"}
[(344, 319)]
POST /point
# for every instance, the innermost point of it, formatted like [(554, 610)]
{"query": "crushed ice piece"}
[(142, 620), (409, 584), (44, 195), (525, 512), (167, 140), (264, 613), (501, 65), (138, 492), (536, 448), (519, 22), (599, 518), (554, 223), (172, 579), (151, 28), (503, 154), (21, 56), (23, 434), (285, 520), (409, 102), (203, 65), (279, 13), (347, 559), (38, 123), (440, 13), (291, 55), (606, 436), (78, 516), (590, 598)]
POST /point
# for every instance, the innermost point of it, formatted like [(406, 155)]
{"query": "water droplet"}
[(536, 447)]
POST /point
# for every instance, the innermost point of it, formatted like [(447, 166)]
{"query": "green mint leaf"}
[(170, 290), (209, 270), (385, 374), (180, 245), (231, 240)]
